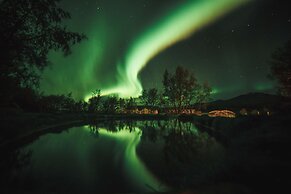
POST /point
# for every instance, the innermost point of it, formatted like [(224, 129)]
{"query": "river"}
[(121, 157)]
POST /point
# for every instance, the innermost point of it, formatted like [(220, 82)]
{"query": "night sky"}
[(228, 44)]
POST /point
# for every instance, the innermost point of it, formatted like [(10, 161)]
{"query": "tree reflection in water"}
[(175, 151), (190, 156), (182, 139), (126, 159), (153, 154)]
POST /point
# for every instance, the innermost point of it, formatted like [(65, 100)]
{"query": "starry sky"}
[(226, 44)]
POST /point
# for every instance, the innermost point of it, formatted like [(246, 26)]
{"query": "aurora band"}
[(135, 170), (170, 29)]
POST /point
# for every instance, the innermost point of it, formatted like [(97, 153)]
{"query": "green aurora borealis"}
[(133, 166), (213, 38), (176, 26)]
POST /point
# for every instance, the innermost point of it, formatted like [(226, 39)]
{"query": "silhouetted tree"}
[(153, 97), (144, 96), (166, 83), (178, 87), (121, 104), (182, 89), (57, 103), (69, 103), (110, 104), (281, 69), (85, 106), (150, 97), (79, 106), (27, 99), (201, 95), (130, 103), (94, 103), (29, 30)]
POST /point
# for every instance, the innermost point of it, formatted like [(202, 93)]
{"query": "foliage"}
[(130, 103), (105, 104), (29, 30), (110, 104), (27, 99), (201, 95), (182, 89), (121, 104), (150, 97), (57, 103), (80, 106), (178, 87), (94, 104), (281, 69)]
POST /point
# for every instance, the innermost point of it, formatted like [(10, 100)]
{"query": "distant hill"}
[(250, 100)]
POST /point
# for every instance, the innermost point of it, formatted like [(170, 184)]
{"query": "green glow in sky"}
[(77, 72), (134, 168), (215, 91), (263, 86), (227, 43), (172, 28)]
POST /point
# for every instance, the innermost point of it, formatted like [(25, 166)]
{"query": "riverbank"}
[(256, 148), (15, 124), (19, 125)]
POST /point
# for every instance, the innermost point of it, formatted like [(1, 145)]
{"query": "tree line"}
[(30, 29), (181, 90)]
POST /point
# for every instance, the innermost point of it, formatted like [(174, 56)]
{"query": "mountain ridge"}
[(250, 100)]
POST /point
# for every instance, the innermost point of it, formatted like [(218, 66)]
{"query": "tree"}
[(80, 106), (281, 69), (94, 103), (29, 30), (150, 97), (182, 89), (153, 97), (166, 83), (110, 104), (130, 103), (201, 95), (121, 105), (57, 103), (144, 96), (178, 87)]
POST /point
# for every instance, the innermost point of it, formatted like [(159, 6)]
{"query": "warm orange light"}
[(222, 113)]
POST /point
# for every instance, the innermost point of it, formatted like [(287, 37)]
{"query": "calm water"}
[(118, 157)]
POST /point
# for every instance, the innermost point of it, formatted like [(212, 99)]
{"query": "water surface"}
[(148, 156)]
